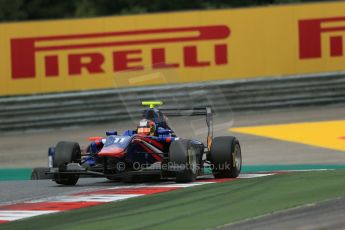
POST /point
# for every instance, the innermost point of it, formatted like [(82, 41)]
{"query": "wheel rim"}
[(192, 160), (237, 158)]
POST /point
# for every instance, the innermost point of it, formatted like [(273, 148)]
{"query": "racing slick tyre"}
[(66, 152), (40, 174), (183, 156), (226, 157)]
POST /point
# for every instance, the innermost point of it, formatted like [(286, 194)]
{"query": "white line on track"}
[(87, 198), (17, 215)]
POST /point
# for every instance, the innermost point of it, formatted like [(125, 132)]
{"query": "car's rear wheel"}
[(65, 153), (183, 157), (226, 157)]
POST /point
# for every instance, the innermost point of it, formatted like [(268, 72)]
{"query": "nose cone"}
[(111, 152)]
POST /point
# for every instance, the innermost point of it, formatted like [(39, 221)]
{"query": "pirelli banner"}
[(72, 55)]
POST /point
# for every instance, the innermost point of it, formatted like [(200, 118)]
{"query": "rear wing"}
[(199, 111)]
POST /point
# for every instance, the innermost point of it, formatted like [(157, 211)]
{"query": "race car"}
[(151, 151)]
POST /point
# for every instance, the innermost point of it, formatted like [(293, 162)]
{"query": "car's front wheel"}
[(40, 174), (66, 152)]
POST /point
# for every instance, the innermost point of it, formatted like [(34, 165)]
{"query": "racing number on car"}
[(119, 140)]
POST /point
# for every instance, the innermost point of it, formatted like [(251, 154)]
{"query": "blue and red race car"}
[(152, 151)]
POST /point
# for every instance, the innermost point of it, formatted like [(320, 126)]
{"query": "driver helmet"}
[(146, 127)]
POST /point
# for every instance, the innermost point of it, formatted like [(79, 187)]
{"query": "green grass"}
[(199, 207)]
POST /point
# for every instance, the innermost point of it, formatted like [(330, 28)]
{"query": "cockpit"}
[(156, 116)]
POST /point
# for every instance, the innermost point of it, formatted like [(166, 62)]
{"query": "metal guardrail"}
[(77, 108)]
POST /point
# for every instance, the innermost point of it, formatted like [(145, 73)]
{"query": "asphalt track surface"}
[(29, 149), (20, 191)]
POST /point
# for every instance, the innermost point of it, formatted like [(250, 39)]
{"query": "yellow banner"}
[(71, 55)]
